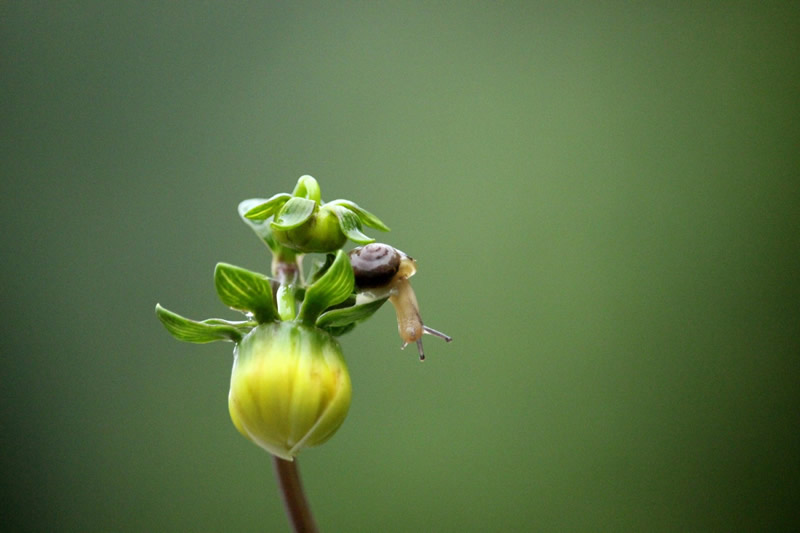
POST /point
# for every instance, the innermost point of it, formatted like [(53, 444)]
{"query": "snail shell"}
[(377, 265)]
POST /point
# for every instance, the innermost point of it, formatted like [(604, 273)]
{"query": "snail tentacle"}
[(436, 333)]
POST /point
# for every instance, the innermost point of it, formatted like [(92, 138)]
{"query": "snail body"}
[(409, 321), (383, 270)]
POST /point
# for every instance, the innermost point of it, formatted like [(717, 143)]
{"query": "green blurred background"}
[(604, 199)]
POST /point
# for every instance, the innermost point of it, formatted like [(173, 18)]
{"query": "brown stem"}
[(286, 267), (297, 508)]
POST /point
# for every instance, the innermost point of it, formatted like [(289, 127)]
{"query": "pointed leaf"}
[(187, 330), (351, 225), (366, 218), (261, 227), (294, 213), (307, 187), (333, 287), (267, 208), (245, 291), (337, 318)]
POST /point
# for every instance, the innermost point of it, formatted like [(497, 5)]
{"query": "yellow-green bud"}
[(290, 388)]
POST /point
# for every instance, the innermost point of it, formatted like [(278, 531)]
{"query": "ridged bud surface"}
[(290, 388)]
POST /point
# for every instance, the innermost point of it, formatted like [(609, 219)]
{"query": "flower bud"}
[(290, 388), (321, 233)]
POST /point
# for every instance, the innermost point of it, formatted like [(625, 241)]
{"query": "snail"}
[(380, 269)]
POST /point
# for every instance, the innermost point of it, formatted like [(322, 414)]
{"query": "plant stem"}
[(286, 266), (294, 499)]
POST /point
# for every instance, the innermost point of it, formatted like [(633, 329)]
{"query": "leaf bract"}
[(332, 288), (245, 291)]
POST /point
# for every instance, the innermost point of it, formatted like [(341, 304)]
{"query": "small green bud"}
[(302, 222), (319, 233), (290, 388)]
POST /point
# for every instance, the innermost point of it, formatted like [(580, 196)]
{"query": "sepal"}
[(333, 287), (259, 209), (335, 320), (294, 213), (246, 291), (307, 187), (350, 225), (258, 225), (213, 329), (366, 218)]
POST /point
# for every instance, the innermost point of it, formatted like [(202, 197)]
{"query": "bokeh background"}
[(604, 199)]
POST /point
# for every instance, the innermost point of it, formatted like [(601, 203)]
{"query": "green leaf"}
[(266, 208), (307, 187), (213, 329), (366, 218), (245, 291), (350, 224), (333, 287), (261, 227), (294, 213), (337, 318)]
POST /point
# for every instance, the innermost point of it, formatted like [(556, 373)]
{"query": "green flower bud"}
[(302, 222), (290, 388), (319, 233)]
